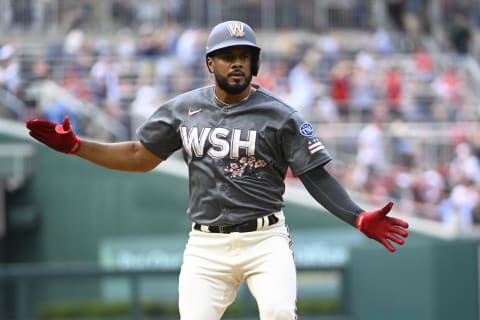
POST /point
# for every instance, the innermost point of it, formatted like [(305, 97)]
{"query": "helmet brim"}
[(232, 43)]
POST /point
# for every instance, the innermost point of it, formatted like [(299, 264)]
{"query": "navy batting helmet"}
[(234, 33)]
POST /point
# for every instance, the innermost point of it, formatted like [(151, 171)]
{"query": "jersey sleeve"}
[(303, 149), (159, 133)]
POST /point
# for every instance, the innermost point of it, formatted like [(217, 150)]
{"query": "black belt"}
[(248, 226)]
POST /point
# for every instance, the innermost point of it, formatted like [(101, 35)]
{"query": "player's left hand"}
[(376, 225)]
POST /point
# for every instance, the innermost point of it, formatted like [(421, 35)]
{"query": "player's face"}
[(232, 68)]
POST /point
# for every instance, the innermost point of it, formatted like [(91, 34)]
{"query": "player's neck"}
[(226, 99)]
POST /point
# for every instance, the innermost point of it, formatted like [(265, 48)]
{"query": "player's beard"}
[(236, 88)]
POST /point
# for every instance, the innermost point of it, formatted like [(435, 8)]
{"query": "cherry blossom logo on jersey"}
[(245, 165), (306, 129)]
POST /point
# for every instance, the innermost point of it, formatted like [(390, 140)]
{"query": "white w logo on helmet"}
[(236, 29)]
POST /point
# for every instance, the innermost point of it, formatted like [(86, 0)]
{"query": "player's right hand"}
[(59, 137)]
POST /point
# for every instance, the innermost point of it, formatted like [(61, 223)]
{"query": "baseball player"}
[(238, 141)]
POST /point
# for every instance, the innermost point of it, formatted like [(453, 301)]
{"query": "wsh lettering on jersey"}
[(218, 142)]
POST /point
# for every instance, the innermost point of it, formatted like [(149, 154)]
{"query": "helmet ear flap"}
[(256, 63)]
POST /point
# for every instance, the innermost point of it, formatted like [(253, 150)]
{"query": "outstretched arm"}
[(125, 156), (374, 224)]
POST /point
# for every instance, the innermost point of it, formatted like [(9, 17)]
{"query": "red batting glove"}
[(57, 136), (376, 225)]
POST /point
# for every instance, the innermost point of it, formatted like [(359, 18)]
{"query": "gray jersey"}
[(237, 156)]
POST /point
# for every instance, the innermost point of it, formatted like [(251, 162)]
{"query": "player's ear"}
[(210, 64)]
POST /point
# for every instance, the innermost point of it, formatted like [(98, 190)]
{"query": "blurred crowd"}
[(367, 80)]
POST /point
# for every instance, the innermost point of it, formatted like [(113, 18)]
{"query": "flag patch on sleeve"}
[(315, 145)]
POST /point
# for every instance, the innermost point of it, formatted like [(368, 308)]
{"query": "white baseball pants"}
[(216, 264)]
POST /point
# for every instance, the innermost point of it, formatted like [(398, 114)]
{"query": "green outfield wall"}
[(427, 280)]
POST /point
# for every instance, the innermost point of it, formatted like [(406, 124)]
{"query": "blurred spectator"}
[(74, 41), (51, 100), (78, 50), (190, 46), (186, 81), (464, 165), (331, 50), (476, 145), (422, 102), (21, 13), (363, 93), (58, 110), (76, 14), (429, 187), (324, 110), (125, 46), (301, 81), (105, 74), (365, 60), (171, 31), (42, 12), (403, 150), (463, 199), (125, 50), (123, 12), (402, 187), (279, 71), (265, 78), (76, 84), (416, 20), (393, 91), (459, 34), (370, 146), (476, 214), (340, 88), (458, 134), (361, 14), (383, 43), (9, 69), (149, 12), (424, 64), (395, 11), (147, 99), (445, 209), (148, 47), (449, 86)]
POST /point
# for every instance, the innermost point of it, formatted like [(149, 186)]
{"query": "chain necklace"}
[(223, 103)]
